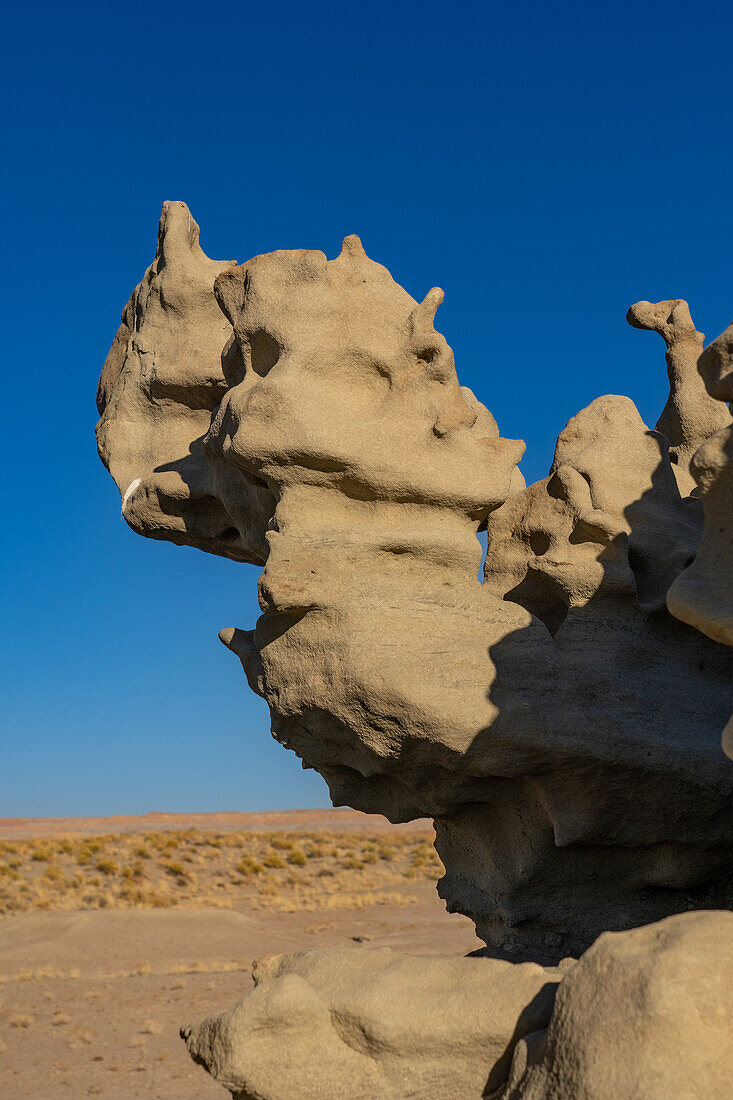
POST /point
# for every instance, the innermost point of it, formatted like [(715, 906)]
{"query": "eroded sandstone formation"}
[(691, 414), (560, 726), (556, 722), (643, 1015), (703, 594), (167, 370), (367, 1024)]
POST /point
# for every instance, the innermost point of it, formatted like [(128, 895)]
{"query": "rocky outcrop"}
[(556, 722), (691, 414), (167, 370), (494, 708), (329, 1023), (703, 594), (591, 551), (643, 1015)]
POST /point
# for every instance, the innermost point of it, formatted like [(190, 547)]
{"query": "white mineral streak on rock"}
[(128, 493)]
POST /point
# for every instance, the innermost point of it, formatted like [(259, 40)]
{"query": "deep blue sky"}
[(546, 165)]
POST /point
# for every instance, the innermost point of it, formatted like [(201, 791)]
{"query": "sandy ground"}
[(91, 1001), (290, 821)]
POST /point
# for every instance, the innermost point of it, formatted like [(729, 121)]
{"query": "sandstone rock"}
[(370, 1024), (420, 699), (161, 380), (691, 415), (644, 1015), (559, 725), (703, 594), (556, 721)]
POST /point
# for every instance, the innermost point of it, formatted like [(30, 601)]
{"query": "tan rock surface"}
[(161, 380), (556, 721), (420, 699), (691, 415), (644, 1015), (563, 805), (329, 1023), (703, 594)]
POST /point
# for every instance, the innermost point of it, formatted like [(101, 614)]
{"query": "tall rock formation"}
[(559, 725)]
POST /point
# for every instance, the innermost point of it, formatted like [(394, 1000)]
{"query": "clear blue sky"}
[(546, 164)]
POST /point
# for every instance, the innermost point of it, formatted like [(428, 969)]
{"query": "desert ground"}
[(114, 932)]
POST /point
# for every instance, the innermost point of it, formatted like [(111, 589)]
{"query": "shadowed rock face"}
[(557, 723)]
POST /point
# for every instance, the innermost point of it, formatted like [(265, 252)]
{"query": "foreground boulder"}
[(373, 1025), (643, 1015)]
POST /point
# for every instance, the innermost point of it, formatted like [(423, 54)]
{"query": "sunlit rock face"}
[(645, 1014), (703, 594), (164, 375), (691, 414), (560, 726), (373, 1024)]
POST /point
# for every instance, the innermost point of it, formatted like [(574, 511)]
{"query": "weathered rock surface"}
[(643, 1015), (368, 1024), (560, 726), (591, 551), (556, 721), (494, 708), (165, 373), (691, 414), (703, 594)]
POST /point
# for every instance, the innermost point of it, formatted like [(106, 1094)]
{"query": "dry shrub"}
[(273, 861), (176, 870), (230, 869), (249, 866)]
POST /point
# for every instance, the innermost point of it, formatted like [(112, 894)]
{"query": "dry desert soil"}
[(115, 931)]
